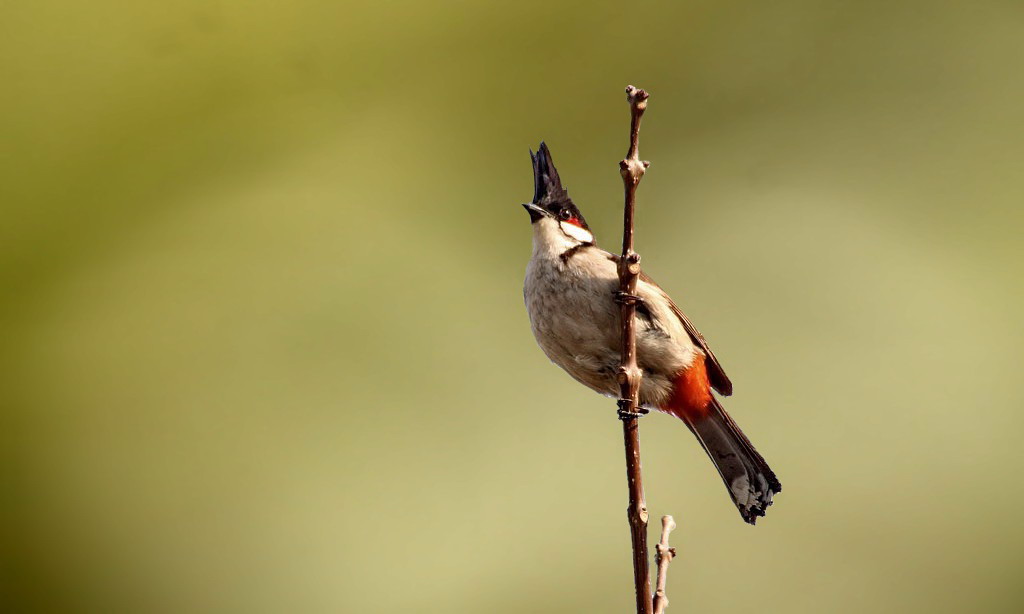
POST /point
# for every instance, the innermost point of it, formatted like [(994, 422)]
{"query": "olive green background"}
[(262, 340)]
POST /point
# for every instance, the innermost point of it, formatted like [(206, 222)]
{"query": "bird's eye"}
[(565, 214)]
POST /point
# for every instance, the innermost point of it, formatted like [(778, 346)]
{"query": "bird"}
[(569, 290)]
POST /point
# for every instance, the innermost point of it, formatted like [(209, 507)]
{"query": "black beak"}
[(535, 212)]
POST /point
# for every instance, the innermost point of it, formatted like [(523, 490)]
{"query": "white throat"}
[(551, 238)]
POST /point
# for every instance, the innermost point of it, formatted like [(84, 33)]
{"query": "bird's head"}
[(557, 222)]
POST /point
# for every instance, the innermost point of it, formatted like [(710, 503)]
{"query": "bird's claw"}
[(625, 414), (625, 298)]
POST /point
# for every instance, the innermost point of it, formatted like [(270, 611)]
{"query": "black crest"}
[(547, 187)]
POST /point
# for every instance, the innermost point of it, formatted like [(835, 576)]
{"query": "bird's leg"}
[(624, 298)]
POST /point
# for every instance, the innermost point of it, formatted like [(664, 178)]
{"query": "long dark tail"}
[(751, 483)]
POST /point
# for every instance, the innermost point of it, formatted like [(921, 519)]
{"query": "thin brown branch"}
[(664, 556), (629, 376)]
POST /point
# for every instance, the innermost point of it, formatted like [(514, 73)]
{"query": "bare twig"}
[(632, 170), (664, 556)]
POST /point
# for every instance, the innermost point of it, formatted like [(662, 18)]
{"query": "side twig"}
[(665, 554), (629, 375)]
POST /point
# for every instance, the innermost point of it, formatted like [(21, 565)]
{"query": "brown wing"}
[(716, 375)]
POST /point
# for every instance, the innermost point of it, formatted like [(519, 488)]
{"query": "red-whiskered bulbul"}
[(569, 289)]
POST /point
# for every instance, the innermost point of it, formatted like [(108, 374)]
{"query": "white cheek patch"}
[(574, 231)]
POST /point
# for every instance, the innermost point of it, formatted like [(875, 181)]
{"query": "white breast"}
[(577, 324)]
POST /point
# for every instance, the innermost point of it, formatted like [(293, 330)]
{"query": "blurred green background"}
[(263, 340)]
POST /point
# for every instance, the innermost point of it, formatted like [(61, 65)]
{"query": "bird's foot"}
[(625, 298), (625, 414)]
